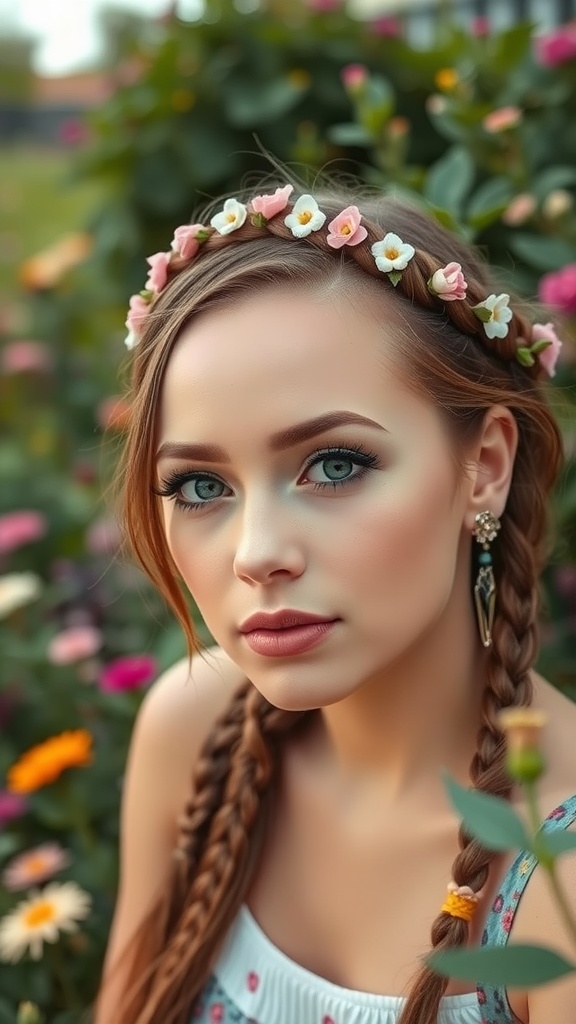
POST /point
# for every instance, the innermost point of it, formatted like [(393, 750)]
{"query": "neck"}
[(419, 717)]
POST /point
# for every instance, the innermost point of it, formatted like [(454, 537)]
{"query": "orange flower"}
[(45, 762), (446, 79), (47, 268)]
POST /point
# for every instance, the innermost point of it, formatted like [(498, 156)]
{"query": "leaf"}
[(557, 843), (488, 818), (540, 252), (552, 178), (450, 179), (512, 965), (488, 201), (350, 134)]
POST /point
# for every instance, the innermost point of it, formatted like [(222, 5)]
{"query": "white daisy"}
[(305, 217), (41, 918), (230, 218), (392, 253)]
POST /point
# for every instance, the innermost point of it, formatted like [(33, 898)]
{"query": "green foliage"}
[(193, 110), (519, 966)]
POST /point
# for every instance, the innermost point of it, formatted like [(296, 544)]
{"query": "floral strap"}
[(494, 1001)]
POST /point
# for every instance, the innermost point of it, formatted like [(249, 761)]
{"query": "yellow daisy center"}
[(346, 230), (392, 253), (230, 217), (305, 217), (39, 914)]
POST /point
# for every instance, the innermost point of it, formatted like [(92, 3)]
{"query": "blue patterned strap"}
[(493, 1001)]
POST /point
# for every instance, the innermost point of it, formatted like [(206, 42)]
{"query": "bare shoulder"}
[(559, 781)]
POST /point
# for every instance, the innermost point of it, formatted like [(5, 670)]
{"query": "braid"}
[(221, 833)]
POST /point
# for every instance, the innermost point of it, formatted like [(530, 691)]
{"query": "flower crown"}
[(391, 255)]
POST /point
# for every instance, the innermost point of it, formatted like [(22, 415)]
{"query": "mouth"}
[(284, 619)]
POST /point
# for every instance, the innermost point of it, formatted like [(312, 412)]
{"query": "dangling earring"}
[(486, 528)]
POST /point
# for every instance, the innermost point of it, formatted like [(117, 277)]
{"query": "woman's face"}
[(302, 477)]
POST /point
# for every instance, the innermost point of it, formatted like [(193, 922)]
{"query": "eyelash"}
[(366, 460)]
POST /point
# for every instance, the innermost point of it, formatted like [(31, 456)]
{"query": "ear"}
[(491, 463)]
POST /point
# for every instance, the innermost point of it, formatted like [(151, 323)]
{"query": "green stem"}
[(67, 988), (546, 861)]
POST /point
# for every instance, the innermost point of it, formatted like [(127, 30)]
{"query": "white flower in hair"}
[(392, 253), (305, 217), (230, 218), (495, 314)]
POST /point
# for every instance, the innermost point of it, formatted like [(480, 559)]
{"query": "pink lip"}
[(283, 619), (285, 634)]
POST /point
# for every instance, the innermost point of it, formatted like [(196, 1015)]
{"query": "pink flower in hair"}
[(346, 229), (548, 356), (158, 274), (448, 283), (185, 241), (268, 206), (137, 313)]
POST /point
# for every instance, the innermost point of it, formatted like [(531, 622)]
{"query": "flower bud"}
[(523, 728), (28, 1013)]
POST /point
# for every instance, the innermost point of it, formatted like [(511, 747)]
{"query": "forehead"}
[(278, 357)]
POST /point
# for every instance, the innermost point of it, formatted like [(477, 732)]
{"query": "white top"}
[(268, 987)]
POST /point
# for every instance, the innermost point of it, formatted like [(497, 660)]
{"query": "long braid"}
[(222, 836)]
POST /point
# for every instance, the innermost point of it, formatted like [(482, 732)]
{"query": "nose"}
[(268, 548)]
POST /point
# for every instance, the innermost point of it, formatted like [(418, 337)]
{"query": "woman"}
[(341, 448)]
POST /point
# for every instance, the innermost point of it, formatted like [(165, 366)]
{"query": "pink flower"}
[(35, 866), (558, 288), (323, 6), (385, 27), (346, 229), (354, 76), (480, 26), (103, 536), (128, 673), (216, 1013), (19, 528), (270, 205), (448, 283), (158, 274), (548, 357), (25, 357), (137, 312), (507, 919), (12, 806), (519, 209), (252, 981), (73, 132), (502, 119), (74, 644), (185, 241), (558, 47)]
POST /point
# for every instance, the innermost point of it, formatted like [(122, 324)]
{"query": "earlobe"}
[(492, 464)]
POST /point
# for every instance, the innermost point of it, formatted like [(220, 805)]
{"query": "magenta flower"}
[(324, 6), (158, 274), (26, 357), (185, 241), (557, 47), (558, 288), (385, 27), (74, 644), (270, 205), (19, 528), (128, 673), (448, 283), (480, 26), (12, 806), (548, 357), (346, 229)]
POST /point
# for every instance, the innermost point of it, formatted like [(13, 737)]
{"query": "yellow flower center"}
[(392, 253), (346, 230), (230, 217), (305, 217), (34, 864), (39, 914)]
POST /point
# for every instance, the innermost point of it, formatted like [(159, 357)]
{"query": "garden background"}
[(478, 121)]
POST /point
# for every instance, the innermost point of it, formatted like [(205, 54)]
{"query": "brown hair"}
[(448, 358)]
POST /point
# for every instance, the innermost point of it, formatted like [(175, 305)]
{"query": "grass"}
[(38, 204)]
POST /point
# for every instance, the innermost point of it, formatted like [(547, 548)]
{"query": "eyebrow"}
[(282, 439)]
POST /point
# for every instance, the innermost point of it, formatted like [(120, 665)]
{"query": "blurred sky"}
[(67, 30)]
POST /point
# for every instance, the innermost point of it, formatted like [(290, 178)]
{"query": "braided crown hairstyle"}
[(445, 354)]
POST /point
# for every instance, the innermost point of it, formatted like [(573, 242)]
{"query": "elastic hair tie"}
[(461, 902)]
